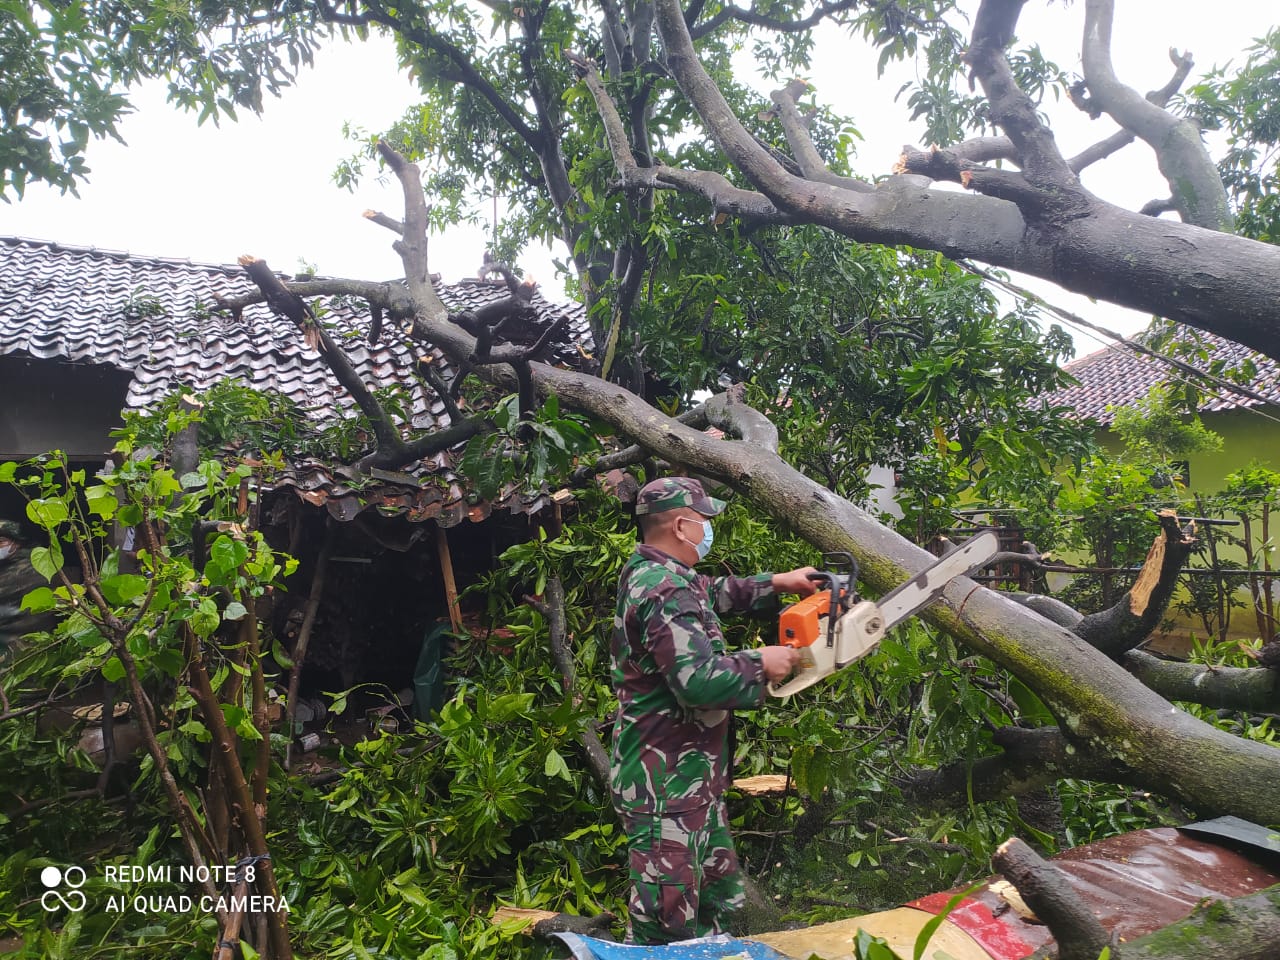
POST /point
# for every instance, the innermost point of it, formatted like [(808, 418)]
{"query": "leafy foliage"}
[(526, 452), (1244, 103)]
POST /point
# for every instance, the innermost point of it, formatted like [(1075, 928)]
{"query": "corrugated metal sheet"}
[(153, 317), (1134, 883)]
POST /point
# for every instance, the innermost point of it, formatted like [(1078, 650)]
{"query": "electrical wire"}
[(1138, 349)]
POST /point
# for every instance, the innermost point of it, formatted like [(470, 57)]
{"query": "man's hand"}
[(777, 662), (795, 581)]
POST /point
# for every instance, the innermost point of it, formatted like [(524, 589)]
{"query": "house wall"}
[(46, 405), (1246, 438)]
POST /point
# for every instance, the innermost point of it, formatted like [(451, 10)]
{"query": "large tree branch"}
[(1211, 281), (1122, 138), (796, 129), (1245, 928), (1012, 110), (1252, 689), (288, 304), (1181, 155)]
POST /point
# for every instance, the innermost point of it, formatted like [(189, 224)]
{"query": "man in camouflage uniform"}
[(676, 686)]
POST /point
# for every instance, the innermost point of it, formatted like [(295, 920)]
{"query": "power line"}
[(1238, 390)]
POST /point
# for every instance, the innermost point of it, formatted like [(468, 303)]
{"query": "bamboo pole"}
[(450, 585)]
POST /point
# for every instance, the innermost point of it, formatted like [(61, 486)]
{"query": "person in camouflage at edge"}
[(676, 687)]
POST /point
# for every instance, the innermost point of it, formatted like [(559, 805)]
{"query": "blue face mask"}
[(703, 546)]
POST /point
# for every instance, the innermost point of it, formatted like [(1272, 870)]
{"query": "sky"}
[(264, 185)]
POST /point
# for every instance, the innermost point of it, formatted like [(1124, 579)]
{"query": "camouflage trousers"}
[(685, 878)]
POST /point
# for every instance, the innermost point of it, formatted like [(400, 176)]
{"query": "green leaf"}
[(228, 553), (205, 619), (8, 470), (123, 587), (39, 600), (235, 610), (47, 561), (279, 655), (927, 931), (169, 661), (101, 500), (554, 766), (48, 513), (868, 947), (113, 670), (194, 728)]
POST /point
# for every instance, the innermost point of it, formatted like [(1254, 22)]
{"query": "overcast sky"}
[(264, 185)]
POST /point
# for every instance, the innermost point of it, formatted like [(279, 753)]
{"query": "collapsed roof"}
[(158, 319)]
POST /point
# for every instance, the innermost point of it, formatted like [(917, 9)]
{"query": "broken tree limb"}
[(1254, 689), (1130, 621), (552, 610), (1046, 891), (1032, 759)]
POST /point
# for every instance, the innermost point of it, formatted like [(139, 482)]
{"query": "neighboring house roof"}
[(1116, 376), (153, 316)]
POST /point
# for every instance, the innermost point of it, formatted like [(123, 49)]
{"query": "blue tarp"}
[(704, 948)]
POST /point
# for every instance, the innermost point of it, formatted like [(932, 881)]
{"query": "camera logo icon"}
[(72, 878)]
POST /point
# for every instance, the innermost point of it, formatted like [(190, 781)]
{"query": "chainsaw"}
[(833, 628)]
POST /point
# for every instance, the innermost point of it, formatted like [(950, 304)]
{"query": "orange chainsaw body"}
[(800, 624)]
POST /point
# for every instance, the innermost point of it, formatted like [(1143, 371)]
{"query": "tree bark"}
[(1253, 689), (1247, 928)]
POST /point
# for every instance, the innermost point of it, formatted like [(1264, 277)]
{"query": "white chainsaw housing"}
[(857, 635)]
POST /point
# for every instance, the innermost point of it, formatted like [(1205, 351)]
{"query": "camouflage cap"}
[(671, 493)]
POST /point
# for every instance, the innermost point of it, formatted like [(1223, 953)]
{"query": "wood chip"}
[(764, 785), (1010, 895)]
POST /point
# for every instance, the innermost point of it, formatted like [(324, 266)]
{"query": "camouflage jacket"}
[(675, 683)]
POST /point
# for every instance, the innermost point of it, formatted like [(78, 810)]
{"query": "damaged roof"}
[(1116, 376), (158, 318)]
